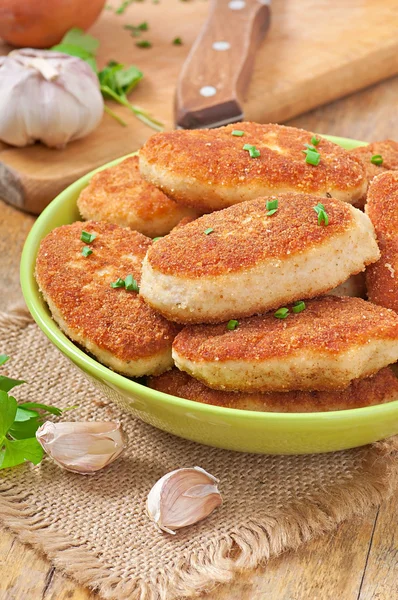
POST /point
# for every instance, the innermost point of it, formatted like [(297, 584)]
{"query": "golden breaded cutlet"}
[(378, 389), (242, 261), (333, 341), (113, 324), (387, 149), (209, 169), (120, 195), (382, 209)]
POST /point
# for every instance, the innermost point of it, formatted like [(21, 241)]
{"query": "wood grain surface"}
[(359, 561), (315, 51)]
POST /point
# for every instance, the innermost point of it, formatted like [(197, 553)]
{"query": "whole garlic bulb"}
[(183, 497), (47, 96), (82, 447)]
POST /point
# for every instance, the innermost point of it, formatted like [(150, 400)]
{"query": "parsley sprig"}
[(19, 423), (116, 80)]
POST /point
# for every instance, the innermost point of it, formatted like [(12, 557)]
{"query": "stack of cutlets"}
[(248, 301)]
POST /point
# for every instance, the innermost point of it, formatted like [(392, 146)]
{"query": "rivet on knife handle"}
[(217, 70)]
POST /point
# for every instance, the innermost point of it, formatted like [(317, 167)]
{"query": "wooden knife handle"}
[(217, 70)]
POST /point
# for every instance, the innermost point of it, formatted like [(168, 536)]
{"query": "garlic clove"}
[(47, 96), (82, 447), (183, 497)]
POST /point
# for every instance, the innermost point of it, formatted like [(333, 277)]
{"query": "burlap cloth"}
[(95, 528)]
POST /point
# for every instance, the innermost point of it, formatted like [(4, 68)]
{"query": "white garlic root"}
[(183, 497), (82, 447), (47, 96)]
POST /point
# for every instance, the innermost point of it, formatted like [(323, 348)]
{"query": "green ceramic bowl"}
[(247, 431)]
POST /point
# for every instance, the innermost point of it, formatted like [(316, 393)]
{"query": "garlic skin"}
[(182, 497), (82, 447), (47, 96)]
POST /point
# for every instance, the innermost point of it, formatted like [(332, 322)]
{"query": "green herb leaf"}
[(254, 153), (298, 307), (322, 214), (272, 207), (122, 7), (377, 159), (7, 383), (24, 429), (237, 133), (312, 156), (16, 452), (315, 141), (24, 414), (157, 238), (281, 313), (232, 324), (208, 231), (144, 44), (53, 410), (86, 251), (87, 237), (77, 37), (119, 283), (3, 359), (8, 410), (177, 41), (130, 284)]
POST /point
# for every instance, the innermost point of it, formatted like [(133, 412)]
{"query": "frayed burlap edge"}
[(244, 548)]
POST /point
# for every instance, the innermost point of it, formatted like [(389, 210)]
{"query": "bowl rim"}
[(41, 315)]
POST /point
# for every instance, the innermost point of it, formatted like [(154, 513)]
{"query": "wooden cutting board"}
[(315, 51)]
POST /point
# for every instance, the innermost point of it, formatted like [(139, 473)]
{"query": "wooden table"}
[(359, 561)]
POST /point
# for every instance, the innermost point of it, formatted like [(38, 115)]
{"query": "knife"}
[(216, 73)]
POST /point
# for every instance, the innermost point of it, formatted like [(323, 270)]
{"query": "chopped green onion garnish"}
[(232, 324), (87, 238), (238, 132), (208, 230), (377, 159), (281, 313), (254, 153), (119, 283), (130, 284), (298, 307), (322, 215), (157, 238), (272, 204), (177, 41), (143, 44), (315, 140), (312, 157), (310, 147), (272, 207), (86, 251), (252, 150)]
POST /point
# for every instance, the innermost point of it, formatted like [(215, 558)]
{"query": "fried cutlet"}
[(209, 169), (333, 341), (387, 149), (382, 209), (113, 324), (120, 195), (243, 261), (377, 389)]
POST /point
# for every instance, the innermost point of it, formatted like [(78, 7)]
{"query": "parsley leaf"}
[(18, 425), (16, 452), (116, 80)]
